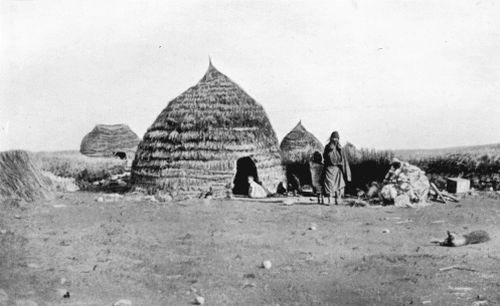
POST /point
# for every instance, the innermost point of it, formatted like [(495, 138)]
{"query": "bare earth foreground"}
[(166, 254)]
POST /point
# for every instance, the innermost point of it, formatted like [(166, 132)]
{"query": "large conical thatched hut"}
[(109, 139), (297, 148), (211, 136)]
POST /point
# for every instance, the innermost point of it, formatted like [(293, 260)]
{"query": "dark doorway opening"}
[(245, 167), (120, 155), (303, 175)]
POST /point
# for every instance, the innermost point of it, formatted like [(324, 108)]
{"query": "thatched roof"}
[(196, 140), (299, 145), (105, 139), (20, 178)]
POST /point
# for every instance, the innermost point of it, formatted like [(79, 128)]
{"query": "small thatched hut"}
[(299, 144), (213, 135), (21, 179), (297, 148), (107, 140)]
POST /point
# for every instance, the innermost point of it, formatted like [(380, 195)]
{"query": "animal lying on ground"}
[(455, 240), (120, 155)]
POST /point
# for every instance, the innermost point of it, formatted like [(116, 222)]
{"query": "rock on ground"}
[(123, 303)]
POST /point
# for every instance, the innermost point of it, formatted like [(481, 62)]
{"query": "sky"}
[(386, 74)]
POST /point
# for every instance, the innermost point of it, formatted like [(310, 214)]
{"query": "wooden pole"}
[(447, 195), (440, 195)]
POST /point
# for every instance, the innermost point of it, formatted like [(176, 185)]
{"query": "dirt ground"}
[(167, 253)]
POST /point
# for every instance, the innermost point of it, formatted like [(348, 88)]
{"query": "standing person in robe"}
[(336, 171), (316, 169)]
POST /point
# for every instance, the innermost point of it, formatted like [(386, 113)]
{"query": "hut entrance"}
[(305, 173), (120, 155), (298, 174), (245, 167)]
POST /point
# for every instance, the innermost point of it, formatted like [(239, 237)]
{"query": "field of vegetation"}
[(416, 154), (483, 170), (479, 164), (85, 170)]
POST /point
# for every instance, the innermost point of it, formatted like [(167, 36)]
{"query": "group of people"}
[(330, 172), (403, 185)]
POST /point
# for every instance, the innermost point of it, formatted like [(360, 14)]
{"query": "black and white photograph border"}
[(238, 152)]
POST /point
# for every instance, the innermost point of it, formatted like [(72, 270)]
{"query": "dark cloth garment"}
[(332, 156), (336, 170)]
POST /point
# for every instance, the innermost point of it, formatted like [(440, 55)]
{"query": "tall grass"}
[(483, 170), (367, 165)]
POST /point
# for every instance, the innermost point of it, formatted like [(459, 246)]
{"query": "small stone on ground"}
[(266, 264), (199, 300), (123, 302)]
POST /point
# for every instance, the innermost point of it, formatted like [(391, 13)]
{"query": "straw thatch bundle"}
[(299, 145), (195, 142), (20, 178), (105, 139)]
